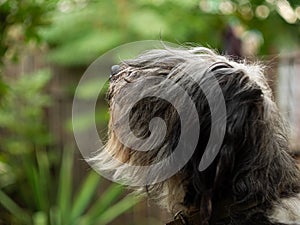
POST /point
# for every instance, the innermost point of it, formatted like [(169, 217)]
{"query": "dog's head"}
[(176, 97)]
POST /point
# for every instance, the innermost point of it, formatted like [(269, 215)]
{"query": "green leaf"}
[(13, 208), (44, 177), (86, 192), (114, 211), (65, 185), (105, 200), (33, 179)]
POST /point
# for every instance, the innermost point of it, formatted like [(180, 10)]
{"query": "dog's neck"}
[(287, 211), (221, 212)]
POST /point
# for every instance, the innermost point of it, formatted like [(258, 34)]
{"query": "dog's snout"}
[(114, 70)]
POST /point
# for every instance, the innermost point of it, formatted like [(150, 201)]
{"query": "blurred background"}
[(45, 47)]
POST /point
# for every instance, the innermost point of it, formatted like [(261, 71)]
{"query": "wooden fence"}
[(288, 89)]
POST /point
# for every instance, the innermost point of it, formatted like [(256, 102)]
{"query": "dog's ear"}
[(244, 110), (244, 115), (243, 99)]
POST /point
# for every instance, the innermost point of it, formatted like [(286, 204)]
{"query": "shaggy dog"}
[(252, 179)]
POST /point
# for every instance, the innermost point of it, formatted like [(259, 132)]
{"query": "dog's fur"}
[(253, 168)]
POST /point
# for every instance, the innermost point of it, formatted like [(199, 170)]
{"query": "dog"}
[(251, 179)]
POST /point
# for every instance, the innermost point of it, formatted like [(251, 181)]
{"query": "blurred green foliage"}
[(22, 125), (20, 21), (20, 24), (23, 134), (81, 32), (21, 112), (49, 201), (35, 185)]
